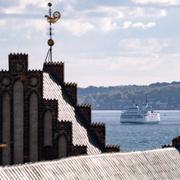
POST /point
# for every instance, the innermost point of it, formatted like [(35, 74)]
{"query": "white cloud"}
[(107, 24), (150, 25), (37, 3), (110, 11), (14, 10), (2, 22), (109, 18), (146, 12), (162, 13), (123, 69), (77, 27), (21, 6), (27, 28), (159, 2), (138, 25), (148, 46), (144, 26), (127, 24), (37, 24), (120, 12), (103, 18)]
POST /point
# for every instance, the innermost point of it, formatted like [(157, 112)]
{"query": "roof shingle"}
[(66, 112), (163, 164)]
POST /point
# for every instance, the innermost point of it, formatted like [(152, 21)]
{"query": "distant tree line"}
[(161, 96)]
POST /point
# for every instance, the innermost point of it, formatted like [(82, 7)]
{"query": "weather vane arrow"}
[(52, 18)]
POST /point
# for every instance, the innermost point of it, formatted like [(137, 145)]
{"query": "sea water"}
[(134, 137)]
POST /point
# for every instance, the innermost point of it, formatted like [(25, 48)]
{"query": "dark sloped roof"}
[(66, 112), (155, 164)]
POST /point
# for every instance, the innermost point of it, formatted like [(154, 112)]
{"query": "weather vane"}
[(52, 19)]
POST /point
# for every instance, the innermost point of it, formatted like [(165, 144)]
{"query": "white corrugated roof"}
[(66, 112), (163, 164)]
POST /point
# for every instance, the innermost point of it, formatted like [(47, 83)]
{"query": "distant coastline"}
[(162, 96)]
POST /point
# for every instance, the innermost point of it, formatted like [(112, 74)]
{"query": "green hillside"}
[(160, 96)]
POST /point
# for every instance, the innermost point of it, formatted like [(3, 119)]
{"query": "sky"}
[(101, 42)]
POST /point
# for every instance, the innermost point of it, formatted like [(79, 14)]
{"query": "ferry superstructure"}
[(143, 115)]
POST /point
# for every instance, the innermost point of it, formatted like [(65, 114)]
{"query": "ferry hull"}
[(140, 121)]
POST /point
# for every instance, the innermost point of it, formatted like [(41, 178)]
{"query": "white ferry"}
[(143, 115)]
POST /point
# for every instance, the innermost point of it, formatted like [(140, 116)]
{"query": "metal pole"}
[(51, 18), (50, 32)]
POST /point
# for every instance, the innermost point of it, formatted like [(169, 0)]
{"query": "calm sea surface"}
[(133, 137)]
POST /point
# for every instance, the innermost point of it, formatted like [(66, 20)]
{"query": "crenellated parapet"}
[(112, 148), (176, 141), (167, 146), (18, 63), (55, 69), (71, 90), (79, 150), (3, 71), (84, 111), (18, 56), (98, 130)]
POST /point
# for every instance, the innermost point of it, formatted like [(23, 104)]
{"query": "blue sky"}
[(102, 42)]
